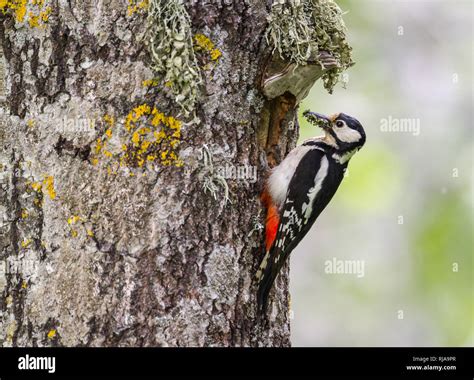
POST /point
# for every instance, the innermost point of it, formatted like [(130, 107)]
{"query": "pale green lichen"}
[(212, 181), (171, 47), (300, 29)]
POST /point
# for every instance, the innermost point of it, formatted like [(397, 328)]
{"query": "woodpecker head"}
[(342, 131)]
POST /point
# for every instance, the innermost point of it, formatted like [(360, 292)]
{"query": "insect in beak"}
[(318, 119)]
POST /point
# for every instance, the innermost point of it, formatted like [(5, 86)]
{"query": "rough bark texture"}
[(143, 256)]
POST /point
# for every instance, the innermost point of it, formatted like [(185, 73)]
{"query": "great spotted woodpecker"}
[(299, 189)]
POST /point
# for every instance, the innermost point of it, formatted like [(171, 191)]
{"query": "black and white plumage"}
[(299, 189)]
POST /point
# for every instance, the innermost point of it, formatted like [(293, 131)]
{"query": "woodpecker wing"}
[(311, 188)]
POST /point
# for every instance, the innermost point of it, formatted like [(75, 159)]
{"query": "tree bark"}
[(101, 249)]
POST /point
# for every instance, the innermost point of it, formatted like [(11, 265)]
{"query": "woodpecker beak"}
[(321, 117), (318, 119)]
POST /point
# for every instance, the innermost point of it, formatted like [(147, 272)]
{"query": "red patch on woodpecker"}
[(271, 226), (272, 221)]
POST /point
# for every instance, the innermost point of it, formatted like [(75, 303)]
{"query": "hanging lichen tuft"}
[(299, 29), (171, 47)]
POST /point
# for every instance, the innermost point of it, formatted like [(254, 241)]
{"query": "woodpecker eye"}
[(340, 124)]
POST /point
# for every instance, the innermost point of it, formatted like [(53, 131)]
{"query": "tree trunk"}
[(115, 226)]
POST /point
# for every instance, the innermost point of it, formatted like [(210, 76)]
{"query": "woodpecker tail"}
[(266, 276)]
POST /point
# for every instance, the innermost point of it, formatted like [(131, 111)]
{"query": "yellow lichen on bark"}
[(203, 43), (49, 184), (33, 11), (146, 133), (136, 6)]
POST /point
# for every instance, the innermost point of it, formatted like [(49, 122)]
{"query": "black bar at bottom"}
[(139, 362)]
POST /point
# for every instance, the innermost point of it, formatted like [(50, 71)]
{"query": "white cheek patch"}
[(347, 134)]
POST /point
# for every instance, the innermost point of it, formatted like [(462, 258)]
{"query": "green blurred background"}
[(406, 207)]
